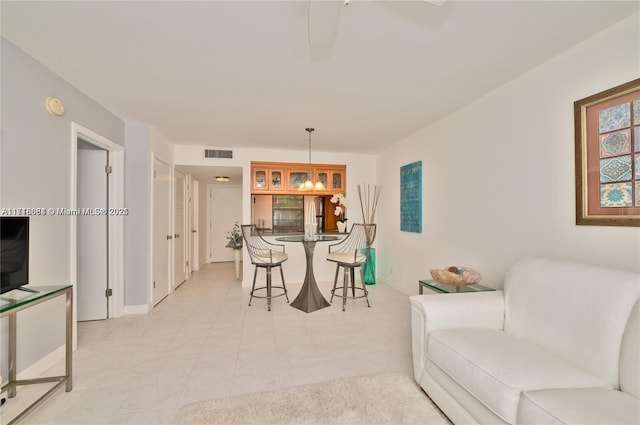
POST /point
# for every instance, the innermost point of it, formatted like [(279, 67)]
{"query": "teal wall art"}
[(411, 197)]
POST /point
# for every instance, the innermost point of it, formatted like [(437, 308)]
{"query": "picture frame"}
[(607, 157)]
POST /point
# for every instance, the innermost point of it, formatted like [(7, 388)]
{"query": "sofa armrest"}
[(464, 310), (441, 311)]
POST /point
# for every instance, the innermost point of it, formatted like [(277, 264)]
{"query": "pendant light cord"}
[(309, 130)]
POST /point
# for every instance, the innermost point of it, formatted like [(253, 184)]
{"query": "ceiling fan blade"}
[(323, 18)]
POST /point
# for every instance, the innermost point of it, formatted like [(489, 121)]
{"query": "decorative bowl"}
[(456, 276)]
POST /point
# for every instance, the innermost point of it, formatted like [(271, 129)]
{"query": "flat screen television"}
[(14, 253)]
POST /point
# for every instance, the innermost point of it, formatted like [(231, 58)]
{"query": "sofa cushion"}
[(578, 406), (496, 367), (576, 310)]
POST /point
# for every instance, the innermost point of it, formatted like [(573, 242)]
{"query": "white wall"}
[(262, 210), (137, 230), (498, 175), (226, 210), (361, 168), (160, 145), (36, 172), (142, 141)]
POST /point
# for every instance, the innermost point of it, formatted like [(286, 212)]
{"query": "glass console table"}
[(447, 289), (15, 301)]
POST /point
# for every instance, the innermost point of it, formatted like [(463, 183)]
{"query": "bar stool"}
[(351, 253), (266, 255)]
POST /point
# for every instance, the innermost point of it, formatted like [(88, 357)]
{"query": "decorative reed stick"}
[(369, 202)]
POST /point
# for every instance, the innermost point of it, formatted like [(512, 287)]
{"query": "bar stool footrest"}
[(284, 292), (364, 295)]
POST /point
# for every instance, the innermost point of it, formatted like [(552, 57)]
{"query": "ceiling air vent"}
[(217, 153)]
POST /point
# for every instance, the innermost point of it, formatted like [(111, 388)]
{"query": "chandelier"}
[(308, 184)]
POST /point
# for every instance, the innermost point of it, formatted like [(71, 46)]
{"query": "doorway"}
[(162, 232), (92, 232), (200, 181), (180, 238), (224, 210), (111, 252), (194, 196)]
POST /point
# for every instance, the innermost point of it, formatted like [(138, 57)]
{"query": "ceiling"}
[(233, 74), (206, 174)]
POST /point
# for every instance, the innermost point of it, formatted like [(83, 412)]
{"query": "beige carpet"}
[(387, 398)]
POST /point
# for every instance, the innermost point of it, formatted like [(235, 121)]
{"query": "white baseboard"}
[(136, 309), (42, 365)]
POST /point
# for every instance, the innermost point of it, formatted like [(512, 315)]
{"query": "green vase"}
[(369, 267)]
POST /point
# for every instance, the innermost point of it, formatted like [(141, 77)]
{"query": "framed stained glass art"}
[(411, 197), (607, 141)]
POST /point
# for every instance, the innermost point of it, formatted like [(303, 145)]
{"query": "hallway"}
[(204, 342)]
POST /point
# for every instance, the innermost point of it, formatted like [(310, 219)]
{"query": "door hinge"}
[(155, 174), (108, 292), (108, 169), (186, 263), (154, 284)]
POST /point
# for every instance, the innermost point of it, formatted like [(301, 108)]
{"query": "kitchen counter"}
[(294, 268), (269, 232)]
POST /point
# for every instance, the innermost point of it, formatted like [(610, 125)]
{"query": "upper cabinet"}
[(332, 178), (296, 175), (266, 178), (276, 178), (284, 177), (337, 180)]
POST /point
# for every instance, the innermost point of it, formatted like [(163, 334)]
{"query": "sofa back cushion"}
[(630, 355), (576, 310)]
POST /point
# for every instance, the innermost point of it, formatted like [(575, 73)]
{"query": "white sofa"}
[(560, 344)]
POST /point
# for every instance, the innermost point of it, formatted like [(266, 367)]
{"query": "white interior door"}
[(92, 230), (179, 229), (162, 234), (195, 232)]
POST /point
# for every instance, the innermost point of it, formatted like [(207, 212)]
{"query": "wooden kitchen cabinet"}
[(323, 175), (276, 179), (285, 178), (259, 179), (338, 181), (332, 179), (295, 177), (267, 179)]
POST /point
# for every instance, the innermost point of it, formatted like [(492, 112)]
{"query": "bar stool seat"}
[(346, 258), (274, 257)]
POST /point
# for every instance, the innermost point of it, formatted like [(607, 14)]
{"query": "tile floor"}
[(204, 342)]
